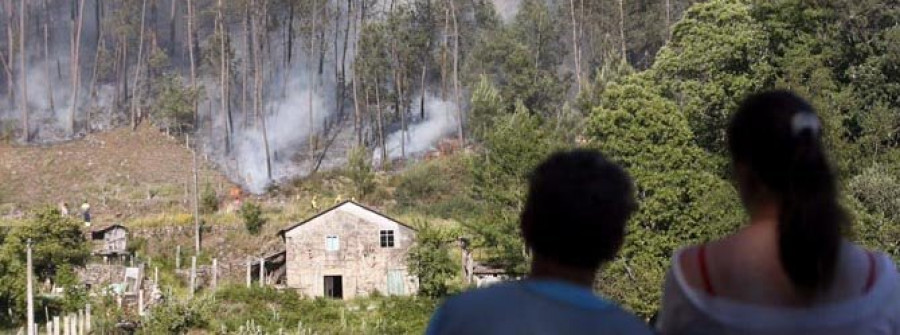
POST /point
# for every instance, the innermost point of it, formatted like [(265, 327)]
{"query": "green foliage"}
[(270, 309), (209, 200), (716, 56), (515, 145), (359, 169), (430, 260), (177, 317), (876, 200), (253, 217), (437, 188), (75, 294), (681, 202), (56, 241), (175, 103)]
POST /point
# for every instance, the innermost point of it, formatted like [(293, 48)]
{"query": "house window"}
[(387, 238), (332, 243)]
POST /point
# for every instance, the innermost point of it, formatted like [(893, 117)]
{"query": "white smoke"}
[(507, 9), (440, 120), (49, 122), (287, 129)]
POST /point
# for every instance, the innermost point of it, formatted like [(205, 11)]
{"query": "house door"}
[(395, 282), (334, 287)]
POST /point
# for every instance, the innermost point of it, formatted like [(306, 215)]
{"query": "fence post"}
[(193, 274), (141, 302), (87, 318), (249, 275), (215, 273), (262, 272)]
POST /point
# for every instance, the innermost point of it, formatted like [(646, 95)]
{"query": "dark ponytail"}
[(777, 136)]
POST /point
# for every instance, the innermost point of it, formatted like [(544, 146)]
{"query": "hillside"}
[(132, 173)]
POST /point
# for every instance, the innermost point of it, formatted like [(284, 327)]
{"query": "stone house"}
[(349, 251), (110, 241)]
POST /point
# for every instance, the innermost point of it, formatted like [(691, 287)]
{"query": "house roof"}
[(285, 230), (484, 269), (108, 227)]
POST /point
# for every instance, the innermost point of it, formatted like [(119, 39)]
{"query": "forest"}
[(273, 90)]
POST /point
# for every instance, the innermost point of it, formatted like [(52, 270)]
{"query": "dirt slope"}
[(120, 172)]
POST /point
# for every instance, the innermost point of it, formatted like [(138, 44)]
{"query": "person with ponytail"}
[(790, 270)]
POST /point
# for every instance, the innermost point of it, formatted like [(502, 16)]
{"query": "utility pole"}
[(29, 290), (196, 207)]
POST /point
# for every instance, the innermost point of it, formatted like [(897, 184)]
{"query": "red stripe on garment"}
[(870, 281), (704, 271)]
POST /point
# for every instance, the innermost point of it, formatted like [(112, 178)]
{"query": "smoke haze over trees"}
[(272, 89)]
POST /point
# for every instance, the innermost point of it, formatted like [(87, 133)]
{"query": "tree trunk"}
[(23, 55), (622, 29), (422, 87), (190, 33), (357, 120), (343, 78), (258, 32), (223, 83), (98, 15), (137, 70), (10, 82), (76, 80), (380, 125), (196, 198), (9, 76), (47, 56), (172, 28), (290, 36), (459, 115), (668, 20), (313, 80), (398, 97), (246, 63), (445, 46), (575, 53), (91, 91), (124, 68)]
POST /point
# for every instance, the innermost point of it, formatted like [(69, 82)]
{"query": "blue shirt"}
[(533, 307)]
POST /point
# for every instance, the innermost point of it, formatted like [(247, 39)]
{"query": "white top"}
[(687, 310)]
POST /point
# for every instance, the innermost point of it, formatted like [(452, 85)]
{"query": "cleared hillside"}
[(120, 172)]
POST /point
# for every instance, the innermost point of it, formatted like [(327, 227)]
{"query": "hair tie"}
[(805, 120)]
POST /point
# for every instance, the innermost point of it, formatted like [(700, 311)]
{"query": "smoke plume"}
[(440, 120)]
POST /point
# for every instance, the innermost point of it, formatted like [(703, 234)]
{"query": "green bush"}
[(176, 317), (209, 200), (253, 218), (430, 261), (359, 170)]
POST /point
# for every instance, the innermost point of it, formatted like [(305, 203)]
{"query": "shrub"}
[(253, 218), (175, 317), (209, 200), (359, 170), (430, 260)]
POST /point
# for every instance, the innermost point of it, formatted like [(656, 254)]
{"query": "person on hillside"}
[(790, 271), (86, 213), (573, 221), (64, 208)]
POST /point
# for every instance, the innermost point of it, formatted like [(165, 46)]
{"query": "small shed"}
[(110, 240), (486, 276)]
